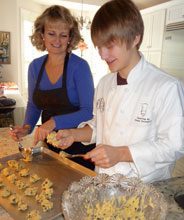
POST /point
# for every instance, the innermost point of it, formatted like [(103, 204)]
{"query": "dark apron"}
[(56, 102)]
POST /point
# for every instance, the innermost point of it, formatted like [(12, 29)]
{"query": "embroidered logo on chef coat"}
[(143, 115), (100, 104), (144, 107)]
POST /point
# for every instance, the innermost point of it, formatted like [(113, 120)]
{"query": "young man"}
[(138, 122)]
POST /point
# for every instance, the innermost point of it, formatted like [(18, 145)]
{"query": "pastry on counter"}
[(51, 139), (46, 205), (40, 197), (48, 192), (14, 199), (13, 163), (16, 165), (6, 192), (31, 191), (34, 215), (22, 206), (12, 178), (21, 184), (24, 172), (45, 194), (34, 178), (46, 184), (6, 172)]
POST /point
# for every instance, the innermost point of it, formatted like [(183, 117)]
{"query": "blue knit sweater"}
[(80, 90)]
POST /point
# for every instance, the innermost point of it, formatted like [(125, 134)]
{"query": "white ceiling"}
[(76, 4)]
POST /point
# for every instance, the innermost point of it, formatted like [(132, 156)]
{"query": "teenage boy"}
[(138, 123)]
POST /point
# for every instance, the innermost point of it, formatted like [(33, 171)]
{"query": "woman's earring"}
[(68, 42)]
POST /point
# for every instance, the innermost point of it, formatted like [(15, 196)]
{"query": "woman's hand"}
[(18, 132), (42, 131), (66, 138), (106, 156)]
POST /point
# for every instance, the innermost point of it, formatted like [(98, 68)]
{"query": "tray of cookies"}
[(32, 189)]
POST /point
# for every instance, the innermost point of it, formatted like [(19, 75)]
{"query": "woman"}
[(60, 84)]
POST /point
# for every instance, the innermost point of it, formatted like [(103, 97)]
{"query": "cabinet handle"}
[(168, 38)]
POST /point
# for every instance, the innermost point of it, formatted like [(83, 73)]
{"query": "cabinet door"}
[(147, 19), (153, 30), (154, 57), (175, 14), (157, 32)]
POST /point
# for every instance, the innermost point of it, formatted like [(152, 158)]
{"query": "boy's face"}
[(118, 57)]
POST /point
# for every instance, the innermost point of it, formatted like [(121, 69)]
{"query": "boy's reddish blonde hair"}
[(117, 20)]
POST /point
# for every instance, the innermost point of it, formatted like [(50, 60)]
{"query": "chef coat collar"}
[(136, 73)]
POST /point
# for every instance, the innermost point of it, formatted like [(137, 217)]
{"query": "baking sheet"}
[(46, 164)]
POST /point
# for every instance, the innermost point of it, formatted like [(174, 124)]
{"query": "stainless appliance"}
[(173, 52)]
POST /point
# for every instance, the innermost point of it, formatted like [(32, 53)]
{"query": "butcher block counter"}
[(48, 163), (168, 187)]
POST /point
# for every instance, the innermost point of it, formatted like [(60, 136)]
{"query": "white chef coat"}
[(147, 115)]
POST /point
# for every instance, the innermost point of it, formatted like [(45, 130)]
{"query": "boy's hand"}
[(65, 138), (106, 156)]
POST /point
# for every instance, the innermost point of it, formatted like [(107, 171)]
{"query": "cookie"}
[(14, 199), (31, 191), (33, 215), (22, 206), (51, 139), (24, 172), (34, 178)]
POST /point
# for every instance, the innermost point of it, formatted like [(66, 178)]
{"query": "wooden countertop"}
[(7, 145)]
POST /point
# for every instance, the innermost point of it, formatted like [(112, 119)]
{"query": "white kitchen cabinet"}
[(153, 30), (153, 57), (153, 36), (175, 14)]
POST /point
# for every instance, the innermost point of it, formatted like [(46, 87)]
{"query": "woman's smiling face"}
[(56, 37)]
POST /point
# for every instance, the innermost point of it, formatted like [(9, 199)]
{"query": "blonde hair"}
[(54, 14), (117, 20)]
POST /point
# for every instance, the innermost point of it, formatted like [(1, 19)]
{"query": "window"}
[(28, 52), (91, 55)]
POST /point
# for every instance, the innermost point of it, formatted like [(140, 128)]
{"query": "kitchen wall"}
[(10, 21)]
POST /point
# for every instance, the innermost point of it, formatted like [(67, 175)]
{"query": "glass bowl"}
[(114, 197)]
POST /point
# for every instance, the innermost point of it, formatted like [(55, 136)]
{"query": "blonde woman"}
[(60, 84)]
